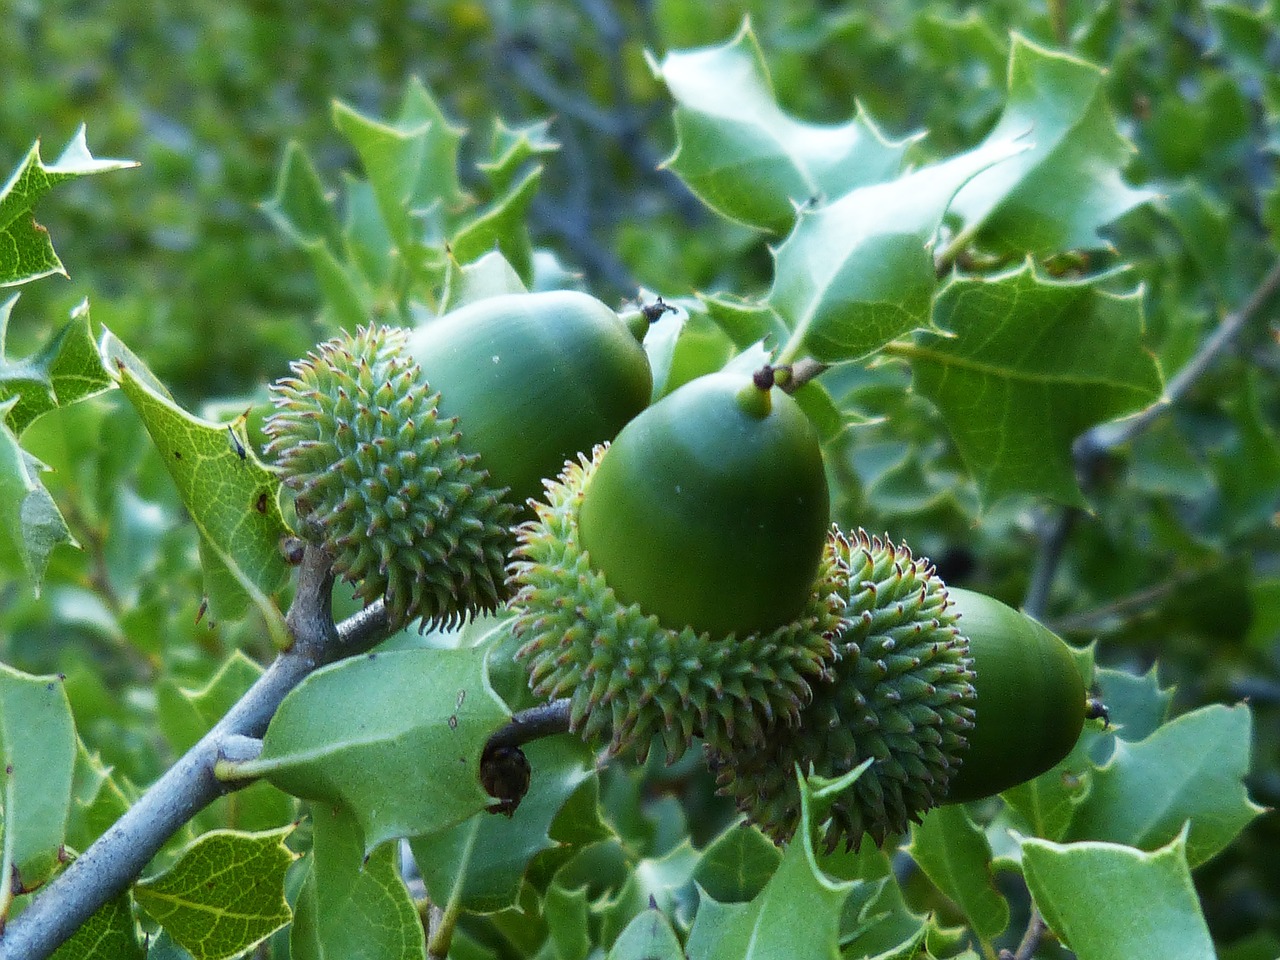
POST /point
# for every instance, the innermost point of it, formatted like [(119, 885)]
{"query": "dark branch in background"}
[(1092, 447), (1090, 451), (117, 858)]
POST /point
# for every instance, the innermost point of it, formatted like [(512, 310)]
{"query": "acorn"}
[(412, 452), (953, 695), (676, 583)]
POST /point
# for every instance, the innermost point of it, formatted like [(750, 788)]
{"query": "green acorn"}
[(399, 444), (675, 584), (954, 695)]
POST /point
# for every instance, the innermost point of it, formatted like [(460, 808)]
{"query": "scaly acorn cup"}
[(413, 491), (955, 695), (676, 584)]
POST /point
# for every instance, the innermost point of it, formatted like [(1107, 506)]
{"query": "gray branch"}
[(1092, 446), (117, 858)]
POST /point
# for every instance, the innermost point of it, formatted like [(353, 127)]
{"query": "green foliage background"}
[(1175, 558)]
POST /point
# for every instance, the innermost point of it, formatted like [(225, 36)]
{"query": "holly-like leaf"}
[(372, 732), (1025, 365), (478, 864), (647, 937), (30, 523), (38, 756), (224, 894), (489, 276), (187, 715), (64, 370), (411, 162), (1112, 902), (747, 159), (955, 855), (97, 801), (512, 147), (858, 273), (230, 494), (735, 867), (796, 915), (110, 933), (1188, 770), (301, 208), (875, 920), (353, 907), (26, 252), (501, 226), (1057, 195)]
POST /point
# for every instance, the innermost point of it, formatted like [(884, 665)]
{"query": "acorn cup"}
[(955, 695), (412, 452), (676, 583)]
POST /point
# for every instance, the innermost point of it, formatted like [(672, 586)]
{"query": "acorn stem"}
[(545, 720)]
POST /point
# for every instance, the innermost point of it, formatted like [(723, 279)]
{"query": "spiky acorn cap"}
[(385, 483), (630, 677), (901, 691)]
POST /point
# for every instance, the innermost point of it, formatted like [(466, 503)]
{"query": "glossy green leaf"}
[(97, 800), (31, 525), (477, 865), (1248, 469), (225, 893), (230, 494), (648, 937), (501, 226), (353, 906), (187, 715), (796, 915), (666, 881), (1137, 705), (38, 755), (64, 370), (745, 321), (955, 855), (394, 737), (875, 920), (1188, 770), (1111, 902), (735, 867), (1027, 364), (566, 912), (1058, 194), (857, 273), (488, 276), (26, 252), (512, 147), (110, 933), (411, 162), (746, 158), (301, 208)]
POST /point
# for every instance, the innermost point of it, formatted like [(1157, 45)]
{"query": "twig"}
[(1098, 441), (1053, 541), (1030, 940), (532, 724), (119, 856), (1094, 444)]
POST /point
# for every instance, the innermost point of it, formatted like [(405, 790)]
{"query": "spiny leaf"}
[(26, 252), (64, 370), (1025, 366), (955, 855), (30, 523), (747, 159), (501, 226), (37, 756), (478, 864), (1111, 902), (647, 937), (225, 893), (1057, 195), (511, 147), (231, 496), (110, 933), (353, 907), (1189, 770), (796, 915), (858, 273), (369, 732)]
